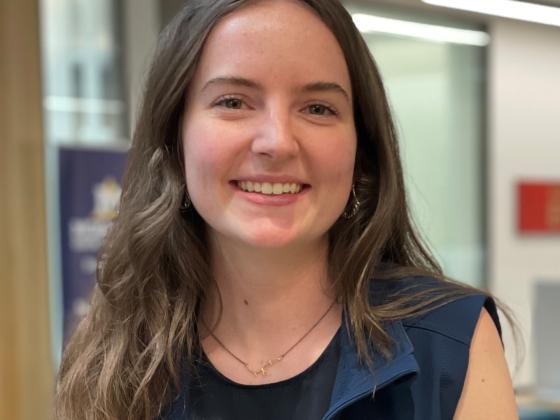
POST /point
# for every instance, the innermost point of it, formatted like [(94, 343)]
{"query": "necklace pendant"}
[(263, 371), (270, 362), (258, 372)]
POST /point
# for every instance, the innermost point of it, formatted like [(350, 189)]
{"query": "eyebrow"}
[(318, 86), (325, 87), (232, 80)]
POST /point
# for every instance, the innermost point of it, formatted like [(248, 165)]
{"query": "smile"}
[(269, 188)]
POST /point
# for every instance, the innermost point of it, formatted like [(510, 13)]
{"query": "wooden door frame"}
[(26, 369)]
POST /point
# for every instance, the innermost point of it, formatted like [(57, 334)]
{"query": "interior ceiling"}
[(545, 2)]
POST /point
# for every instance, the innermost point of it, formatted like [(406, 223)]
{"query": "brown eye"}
[(318, 109), (231, 103)]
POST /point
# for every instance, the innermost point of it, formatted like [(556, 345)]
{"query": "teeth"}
[(269, 188)]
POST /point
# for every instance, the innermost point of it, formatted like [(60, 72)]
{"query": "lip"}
[(270, 200)]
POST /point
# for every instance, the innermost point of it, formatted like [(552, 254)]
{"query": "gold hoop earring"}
[(355, 205), (186, 203)]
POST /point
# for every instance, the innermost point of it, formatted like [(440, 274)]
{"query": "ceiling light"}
[(538, 13), (369, 23)]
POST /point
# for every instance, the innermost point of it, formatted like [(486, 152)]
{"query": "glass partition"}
[(436, 88)]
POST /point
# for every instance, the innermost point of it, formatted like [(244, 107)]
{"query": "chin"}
[(269, 241)]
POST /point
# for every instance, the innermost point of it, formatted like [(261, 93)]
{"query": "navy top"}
[(304, 396), (424, 378)]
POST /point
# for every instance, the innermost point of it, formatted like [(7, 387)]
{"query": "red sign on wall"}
[(538, 207)]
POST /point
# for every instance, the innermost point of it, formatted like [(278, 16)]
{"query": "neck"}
[(270, 297)]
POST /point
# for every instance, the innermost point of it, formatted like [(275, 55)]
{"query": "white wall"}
[(524, 143)]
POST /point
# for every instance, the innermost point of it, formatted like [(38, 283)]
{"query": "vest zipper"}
[(359, 396)]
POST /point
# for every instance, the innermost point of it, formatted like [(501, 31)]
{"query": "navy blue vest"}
[(422, 381)]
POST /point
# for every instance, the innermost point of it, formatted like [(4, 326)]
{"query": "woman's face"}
[(270, 103)]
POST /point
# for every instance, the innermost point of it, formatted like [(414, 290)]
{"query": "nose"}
[(275, 138)]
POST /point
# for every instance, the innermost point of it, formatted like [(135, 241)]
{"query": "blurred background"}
[(475, 89)]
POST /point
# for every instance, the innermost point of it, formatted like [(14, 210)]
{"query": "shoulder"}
[(444, 308), (488, 389), (442, 334), (458, 318)]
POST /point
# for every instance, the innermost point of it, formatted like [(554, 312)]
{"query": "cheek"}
[(204, 163), (338, 161), (337, 171), (202, 154)]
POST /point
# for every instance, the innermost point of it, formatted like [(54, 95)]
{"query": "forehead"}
[(273, 40)]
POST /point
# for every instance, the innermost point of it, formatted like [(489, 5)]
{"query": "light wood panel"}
[(26, 374)]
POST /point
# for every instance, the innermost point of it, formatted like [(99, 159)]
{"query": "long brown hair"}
[(124, 360)]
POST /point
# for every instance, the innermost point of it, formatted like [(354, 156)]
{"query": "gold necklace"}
[(270, 362)]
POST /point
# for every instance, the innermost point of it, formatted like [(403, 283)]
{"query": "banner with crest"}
[(89, 192)]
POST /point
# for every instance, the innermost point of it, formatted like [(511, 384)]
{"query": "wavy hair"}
[(125, 358)]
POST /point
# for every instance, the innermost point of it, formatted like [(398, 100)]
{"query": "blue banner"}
[(89, 191)]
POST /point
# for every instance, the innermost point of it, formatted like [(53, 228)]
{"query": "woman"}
[(263, 263)]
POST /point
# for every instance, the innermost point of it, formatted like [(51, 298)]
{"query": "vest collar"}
[(355, 380)]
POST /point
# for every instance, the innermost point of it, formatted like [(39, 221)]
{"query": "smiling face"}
[(270, 109)]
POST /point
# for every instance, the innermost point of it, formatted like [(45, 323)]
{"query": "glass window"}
[(436, 90), (83, 83)]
